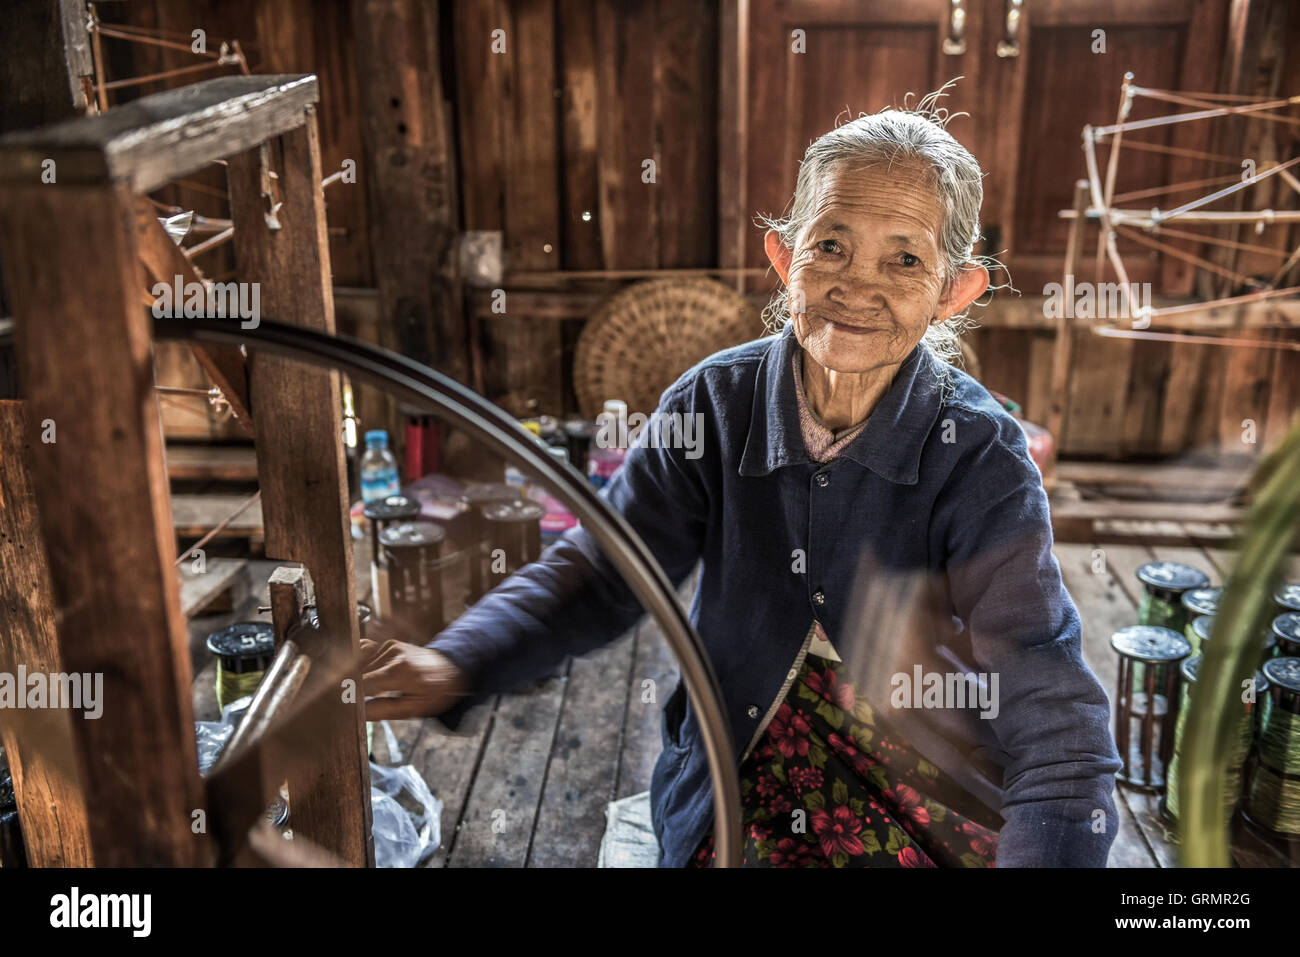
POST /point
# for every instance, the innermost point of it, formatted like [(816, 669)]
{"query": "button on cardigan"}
[(939, 482)]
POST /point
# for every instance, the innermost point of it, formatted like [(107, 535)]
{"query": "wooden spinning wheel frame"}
[(82, 331)]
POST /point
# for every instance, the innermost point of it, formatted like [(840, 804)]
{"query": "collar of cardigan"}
[(895, 433)]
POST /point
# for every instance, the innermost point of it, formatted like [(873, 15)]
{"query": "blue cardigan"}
[(937, 486)]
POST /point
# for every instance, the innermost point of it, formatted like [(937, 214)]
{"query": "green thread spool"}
[(1273, 798), (244, 651), (1198, 603), (1286, 631), (1164, 584), (1198, 632), (1287, 598), (1232, 783)]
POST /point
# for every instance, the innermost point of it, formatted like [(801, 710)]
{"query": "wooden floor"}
[(1108, 602), (527, 779)]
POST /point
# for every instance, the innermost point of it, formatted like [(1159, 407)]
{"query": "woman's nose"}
[(859, 293)]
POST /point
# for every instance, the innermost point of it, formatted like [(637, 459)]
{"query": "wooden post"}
[(1063, 351), (41, 752), (409, 176), (297, 417), (83, 343), (291, 592)]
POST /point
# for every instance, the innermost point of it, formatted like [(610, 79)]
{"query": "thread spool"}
[(515, 536), (474, 498), (1197, 633), (1242, 741), (1163, 587), (1287, 598), (1286, 629), (243, 651), (380, 514), (1273, 796), (1197, 603), (277, 815), (1158, 650), (411, 555)]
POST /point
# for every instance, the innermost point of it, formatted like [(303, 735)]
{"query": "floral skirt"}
[(831, 784)]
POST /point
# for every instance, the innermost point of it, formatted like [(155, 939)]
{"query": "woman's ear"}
[(968, 285), (779, 255)]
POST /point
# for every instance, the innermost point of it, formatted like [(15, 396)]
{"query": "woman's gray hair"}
[(890, 136)]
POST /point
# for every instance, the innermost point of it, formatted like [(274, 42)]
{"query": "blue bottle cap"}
[(374, 436)]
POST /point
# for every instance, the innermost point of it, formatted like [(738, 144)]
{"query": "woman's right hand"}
[(402, 680)]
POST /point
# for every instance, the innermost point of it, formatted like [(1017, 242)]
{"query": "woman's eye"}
[(829, 246), (909, 260)]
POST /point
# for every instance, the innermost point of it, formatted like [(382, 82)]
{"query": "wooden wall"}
[(551, 135)]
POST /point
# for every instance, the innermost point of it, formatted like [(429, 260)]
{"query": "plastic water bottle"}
[(608, 445), (378, 469)]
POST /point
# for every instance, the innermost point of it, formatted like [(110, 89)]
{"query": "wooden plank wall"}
[(552, 132), (555, 133)]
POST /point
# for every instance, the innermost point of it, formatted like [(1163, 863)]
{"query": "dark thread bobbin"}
[(1201, 601), (243, 651), (1273, 796), (1157, 652), (1200, 630), (474, 498), (380, 514), (516, 529), (412, 556), (1286, 630), (1287, 597), (1163, 587), (1243, 740)]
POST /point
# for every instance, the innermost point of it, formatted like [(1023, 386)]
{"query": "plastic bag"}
[(407, 817), (212, 736)]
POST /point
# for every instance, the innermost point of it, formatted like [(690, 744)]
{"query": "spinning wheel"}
[(83, 335)]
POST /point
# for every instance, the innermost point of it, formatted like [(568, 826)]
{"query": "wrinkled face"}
[(867, 269)]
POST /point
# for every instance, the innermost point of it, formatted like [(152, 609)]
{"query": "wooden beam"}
[(50, 806), (1223, 479), (409, 175), (157, 139), (733, 135), (72, 270), (164, 262), (297, 414), (1062, 351)]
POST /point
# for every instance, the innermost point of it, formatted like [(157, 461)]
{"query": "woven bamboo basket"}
[(642, 338)]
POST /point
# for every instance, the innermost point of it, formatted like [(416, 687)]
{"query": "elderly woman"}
[(845, 434)]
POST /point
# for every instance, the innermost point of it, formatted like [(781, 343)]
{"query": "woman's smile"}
[(852, 328)]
